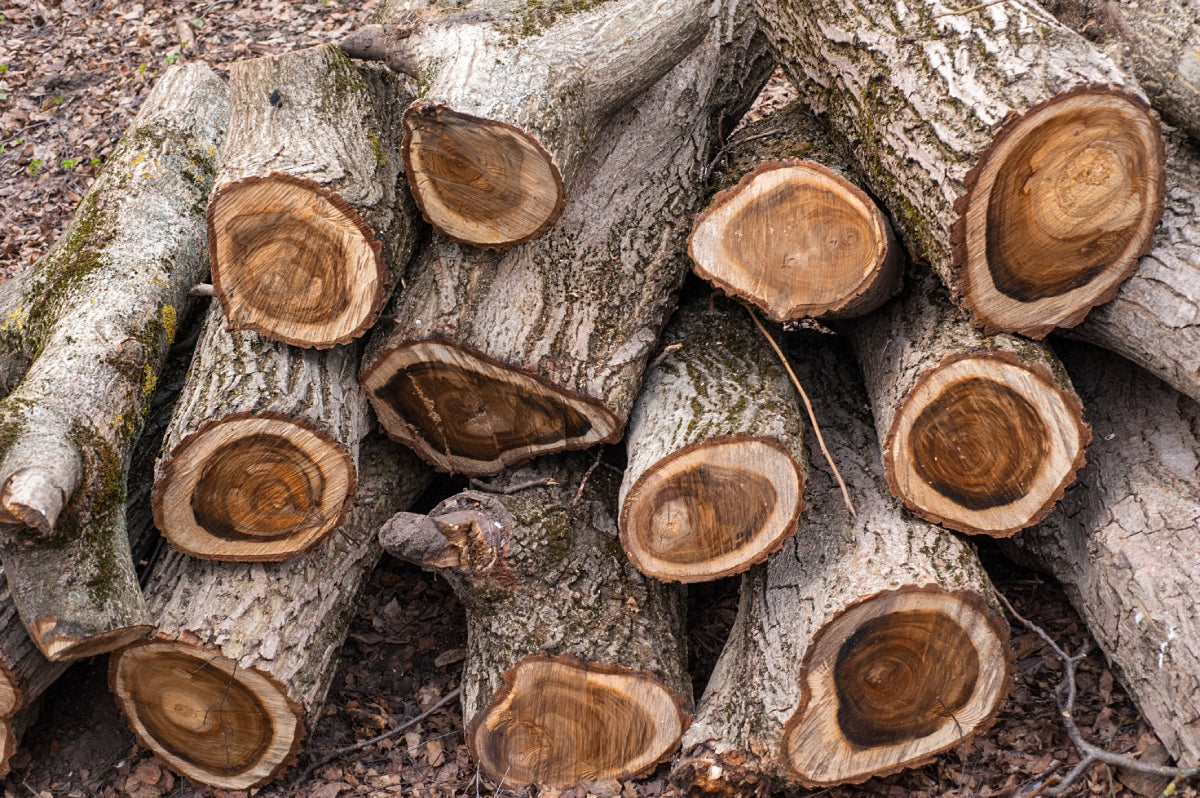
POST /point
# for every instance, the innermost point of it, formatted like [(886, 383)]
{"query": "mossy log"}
[(1015, 157), (980, 434), (260, 460), (791, 231), (1125, 541), (310, 223), (576, 663), (513, 97), (868, 644), (97, 314), (243, 654), (716, 472), (496, 357)]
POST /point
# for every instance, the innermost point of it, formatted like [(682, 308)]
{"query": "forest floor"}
[(72, 74)]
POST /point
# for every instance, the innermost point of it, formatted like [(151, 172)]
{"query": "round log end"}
[(253, 487), (58, 647), (206, 718), (712, 509), (479, 181), (10, 692), (1059, 209), (893, 681), (465, 413), (985, 444), (559, 721), (293, 261), (8, 744), (797, 240)]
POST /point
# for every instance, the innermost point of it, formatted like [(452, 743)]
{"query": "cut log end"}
[(559, 721), (206, 718), (1059, 210), (465, 413), (712, 509), (253, 487), (479, 181), (985, 445), (293, 261), (895, 680), (57, 646), (797, 240)]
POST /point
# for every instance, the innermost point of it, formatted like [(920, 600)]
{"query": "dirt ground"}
[(72, 73)]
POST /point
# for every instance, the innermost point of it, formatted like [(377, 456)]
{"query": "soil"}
[(72, 74)]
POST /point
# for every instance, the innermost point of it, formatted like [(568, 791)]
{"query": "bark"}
[(244, 653), (498, 357), (97, 314), (310, 223), (514, 95), (1014, 156), (576, 663), (791, 231), (980, 434), (260, 460), (1123, 541), (1155, 319), (716, 472), (866, 645)]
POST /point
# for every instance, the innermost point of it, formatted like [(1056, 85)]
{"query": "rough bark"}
[(575, 664), (1155, 318), (244, 653), (980, 434), (1013, 155), (261, 457), (716, 472), (513, 97), (310, 223), (498, 357), (791, 231), (97, 314), (1124, 542), (866, 645)]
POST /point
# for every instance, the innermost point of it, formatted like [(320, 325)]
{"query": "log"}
[(716, 472), (575, 665), (514, 95), (1014, 156), (497, 357), (243, 653), (310, 224), (979, 434), (260, 460), (1123, 542), (99, 311), (866, 645), (791, 231)]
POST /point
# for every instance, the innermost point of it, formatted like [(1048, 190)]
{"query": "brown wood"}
[(243, 654), (575, 664), (99, 311), (866, 645), (1014, 156), (716, 471)]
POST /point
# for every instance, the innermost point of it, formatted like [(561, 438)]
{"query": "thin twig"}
[(586, 475), (509, 490), (202, 289), (663, 355), (807, 406), (978, 7)]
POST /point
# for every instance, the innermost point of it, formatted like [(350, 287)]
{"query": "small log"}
[(1124, 544), (244, 653), (575, 664), (980, 434), (1014, 156), (99, 310), (260, 460), (513, 98), (716, 472), (793, 233), (866, 645), (495, 358), (310, 223)]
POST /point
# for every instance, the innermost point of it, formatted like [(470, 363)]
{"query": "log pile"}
[(572, 160)]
